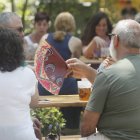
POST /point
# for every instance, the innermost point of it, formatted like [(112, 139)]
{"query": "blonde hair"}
[(64, 23)]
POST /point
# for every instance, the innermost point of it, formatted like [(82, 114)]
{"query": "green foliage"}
[(81, 13), (51, 118), (27, 8), (113, 15), (2, 6), (52, 7)]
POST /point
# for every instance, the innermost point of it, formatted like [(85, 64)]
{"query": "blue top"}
[(70, 84), (61, 46)]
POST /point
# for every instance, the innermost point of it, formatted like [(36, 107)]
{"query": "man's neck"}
[(134, 51), (128, 51)]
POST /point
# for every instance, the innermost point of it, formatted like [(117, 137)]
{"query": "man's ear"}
[(116, 41)]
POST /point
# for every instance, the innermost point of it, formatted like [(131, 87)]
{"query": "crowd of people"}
[(113, 109)]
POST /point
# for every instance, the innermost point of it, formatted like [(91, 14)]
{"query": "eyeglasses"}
[(112, 34)]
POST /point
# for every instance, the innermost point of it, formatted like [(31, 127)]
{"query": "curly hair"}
[(89, 31), (11, 50)]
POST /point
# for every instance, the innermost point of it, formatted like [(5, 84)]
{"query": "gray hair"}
[(128, 32), (137, 17), (7, 17)]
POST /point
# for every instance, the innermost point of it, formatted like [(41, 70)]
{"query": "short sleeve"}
[(29, 81), (99, 94)]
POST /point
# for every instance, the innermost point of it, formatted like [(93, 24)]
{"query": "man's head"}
[(12, 21), (125, 39)]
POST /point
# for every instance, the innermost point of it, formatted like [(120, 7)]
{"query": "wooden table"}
[(71, 137), (90, 61), (61, 101), (94, 62)]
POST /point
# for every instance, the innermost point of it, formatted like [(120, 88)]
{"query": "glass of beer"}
[(84, 89)]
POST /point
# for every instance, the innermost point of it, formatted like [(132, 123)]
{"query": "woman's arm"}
[(94, 47), (35, 98), (89, 49)]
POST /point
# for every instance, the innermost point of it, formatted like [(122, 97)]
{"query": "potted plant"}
[(52, 121)]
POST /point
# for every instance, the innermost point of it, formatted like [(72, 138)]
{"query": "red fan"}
[(50, 68)]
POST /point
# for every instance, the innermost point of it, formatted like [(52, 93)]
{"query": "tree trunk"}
[(13, 5), (23, 12)]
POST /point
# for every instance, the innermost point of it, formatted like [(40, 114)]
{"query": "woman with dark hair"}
[(17, 89), (95, 38), (41, 25)]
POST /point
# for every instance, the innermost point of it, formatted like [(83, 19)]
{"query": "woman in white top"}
[(95, 38), (41, 24), (17, 90)]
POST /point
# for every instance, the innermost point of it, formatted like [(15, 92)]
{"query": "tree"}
[(27, 8)]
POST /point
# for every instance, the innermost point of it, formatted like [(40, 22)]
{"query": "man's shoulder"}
[(115, 68)]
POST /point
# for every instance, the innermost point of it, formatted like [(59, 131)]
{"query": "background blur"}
[(81, 9)]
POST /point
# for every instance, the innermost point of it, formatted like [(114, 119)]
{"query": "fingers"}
[(37, 128), (77, 75), (69, 73), (77, 67), (36, 123), (38, 133), (89, 65), (72, 60), (108, 61)]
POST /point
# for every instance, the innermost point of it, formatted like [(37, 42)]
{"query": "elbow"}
[(34, 105), (87, 54), (86, 130)]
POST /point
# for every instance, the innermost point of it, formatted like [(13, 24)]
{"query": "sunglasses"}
[(19, 29)]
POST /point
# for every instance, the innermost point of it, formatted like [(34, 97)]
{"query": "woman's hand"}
[(107, 62)]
